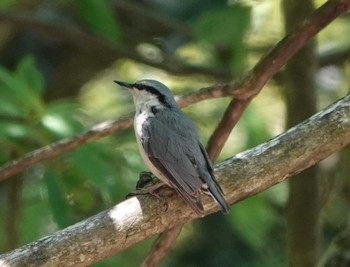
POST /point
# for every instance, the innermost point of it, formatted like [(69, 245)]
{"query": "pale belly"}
[(138, 121)]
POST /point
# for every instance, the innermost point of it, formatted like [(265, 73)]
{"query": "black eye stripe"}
[(149, 89), (152, 90)]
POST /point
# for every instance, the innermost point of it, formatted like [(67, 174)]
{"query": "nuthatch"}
[(169, 144)]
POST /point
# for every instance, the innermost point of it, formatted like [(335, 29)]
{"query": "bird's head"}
[(146, 91)]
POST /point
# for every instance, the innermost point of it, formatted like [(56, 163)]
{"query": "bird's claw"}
[(148, 184), (146, 179)]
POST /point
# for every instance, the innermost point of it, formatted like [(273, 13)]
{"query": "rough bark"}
[(241, 176)]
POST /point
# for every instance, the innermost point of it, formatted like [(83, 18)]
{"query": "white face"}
[(144, 99)]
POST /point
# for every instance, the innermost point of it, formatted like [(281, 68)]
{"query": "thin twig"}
[(62, 146)]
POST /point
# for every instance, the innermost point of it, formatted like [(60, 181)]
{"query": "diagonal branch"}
[(246, 88), (62, 146), (138, 218), (231, 116)]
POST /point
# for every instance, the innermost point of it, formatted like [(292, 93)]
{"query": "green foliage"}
[(255, 127), (5, 4), (20, 90), (253, 220), (99, 16), (77, 185), (61, 119), (226, 27), (80, 183), (58, 203)]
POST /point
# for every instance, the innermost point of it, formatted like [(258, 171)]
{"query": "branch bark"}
[(246, 88), (140, 217)]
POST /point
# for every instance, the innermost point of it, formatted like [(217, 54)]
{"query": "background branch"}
[(138, 218), (303, 207), (231, 116), (246, 88), (104, 51)]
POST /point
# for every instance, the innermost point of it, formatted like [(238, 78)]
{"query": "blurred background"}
[(58, 60)]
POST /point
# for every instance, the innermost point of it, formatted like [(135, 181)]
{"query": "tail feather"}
[(218, 197), (217, 193)]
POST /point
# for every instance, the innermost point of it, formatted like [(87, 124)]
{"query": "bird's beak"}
[(124, 84)]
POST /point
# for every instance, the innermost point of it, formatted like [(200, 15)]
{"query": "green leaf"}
[(94, 162), (62, 119), (56, 196), (18, 88), (99, 16), (253, 218), (35, 220), (255, 126), (223, 25), (29, 74)]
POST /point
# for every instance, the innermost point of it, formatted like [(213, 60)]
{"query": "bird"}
[(169, 144)]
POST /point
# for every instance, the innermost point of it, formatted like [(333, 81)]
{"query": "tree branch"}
[(138, 218), (232, 114), (94, 45), (246, 88), (162, 246), (62, 146)]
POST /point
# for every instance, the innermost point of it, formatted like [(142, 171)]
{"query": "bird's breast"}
[(139, 121)]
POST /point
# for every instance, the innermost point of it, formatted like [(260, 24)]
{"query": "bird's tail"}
[(217, 194)]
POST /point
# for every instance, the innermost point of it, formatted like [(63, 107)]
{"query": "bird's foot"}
[(149, 184), (146, 179)]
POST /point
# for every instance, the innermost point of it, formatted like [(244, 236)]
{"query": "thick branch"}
[(248, 87), (136, 219)]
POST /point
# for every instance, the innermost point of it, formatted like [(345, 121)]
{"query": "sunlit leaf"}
[(62, 119)]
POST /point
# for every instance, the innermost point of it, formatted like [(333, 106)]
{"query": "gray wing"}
[(168, 150), (213, 186)]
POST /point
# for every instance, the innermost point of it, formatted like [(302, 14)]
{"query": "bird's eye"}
[(154, 109)]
